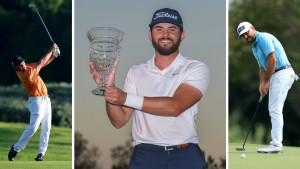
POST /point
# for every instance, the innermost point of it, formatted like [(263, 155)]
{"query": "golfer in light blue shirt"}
[(264, 45), (276, 76)]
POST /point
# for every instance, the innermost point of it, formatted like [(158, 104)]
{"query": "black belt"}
[(282, 68)]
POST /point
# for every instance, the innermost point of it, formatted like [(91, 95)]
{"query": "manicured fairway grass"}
[(290, 158), (35, 165), (58, 155)]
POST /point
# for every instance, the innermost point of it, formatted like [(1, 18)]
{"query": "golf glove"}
[(56, 52)]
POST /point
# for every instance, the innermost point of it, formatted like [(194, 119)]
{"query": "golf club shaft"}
[(44, 25), (260, 99)]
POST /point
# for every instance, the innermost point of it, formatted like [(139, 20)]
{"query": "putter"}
[(259, 101)]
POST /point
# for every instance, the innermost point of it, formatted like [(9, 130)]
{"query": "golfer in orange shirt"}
[(39, 103)]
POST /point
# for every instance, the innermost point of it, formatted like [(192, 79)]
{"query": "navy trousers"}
[(148, 156)]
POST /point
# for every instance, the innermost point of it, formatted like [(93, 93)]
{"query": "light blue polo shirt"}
[(265, 44)]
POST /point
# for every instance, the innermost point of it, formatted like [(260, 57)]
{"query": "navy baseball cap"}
[(17, 60), (166, 15)]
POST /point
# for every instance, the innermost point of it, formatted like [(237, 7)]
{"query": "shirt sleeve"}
[(266, 45), (256, 57), (198, 76), (33, 73), (129, 85)]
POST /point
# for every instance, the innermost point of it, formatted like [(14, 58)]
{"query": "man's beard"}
[(163, 51), (251, 39)]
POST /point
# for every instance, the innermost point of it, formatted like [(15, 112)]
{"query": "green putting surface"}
[(289, 159)]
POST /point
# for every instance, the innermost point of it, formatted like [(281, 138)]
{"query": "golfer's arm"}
[(262, 75), (44, 59), (184, 97), (50, 60), (118, 115), (270, 66)]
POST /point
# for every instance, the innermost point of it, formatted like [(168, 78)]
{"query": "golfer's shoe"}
[(39, 157), (12, 154), (270, 149)]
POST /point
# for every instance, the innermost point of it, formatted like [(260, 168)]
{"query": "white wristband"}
[(134, 101)]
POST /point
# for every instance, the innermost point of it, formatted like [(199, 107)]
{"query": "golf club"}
[(259, 101), (32, 5), (57, 52)]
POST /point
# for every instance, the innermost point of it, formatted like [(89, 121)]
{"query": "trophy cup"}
[(104, 53)]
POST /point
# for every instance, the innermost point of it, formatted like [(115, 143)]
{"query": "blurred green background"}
[(280, 18), (23, 33)]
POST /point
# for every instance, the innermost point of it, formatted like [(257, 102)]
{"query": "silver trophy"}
[(104, 53)]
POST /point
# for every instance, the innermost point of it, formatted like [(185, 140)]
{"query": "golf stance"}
[(39, 103), (163, 93), (276, 76)]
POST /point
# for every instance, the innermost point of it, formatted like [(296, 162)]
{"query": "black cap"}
[(17, 60)]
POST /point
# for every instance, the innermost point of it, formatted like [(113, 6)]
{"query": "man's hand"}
[(94, 72), (115, 96), (111, 77), (55, 50), (53, 47), (264, 87)]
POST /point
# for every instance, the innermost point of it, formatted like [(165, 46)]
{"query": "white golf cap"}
[(243, 27)]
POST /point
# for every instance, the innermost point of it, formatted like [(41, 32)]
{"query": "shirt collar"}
[(256, 38), (177, 62)]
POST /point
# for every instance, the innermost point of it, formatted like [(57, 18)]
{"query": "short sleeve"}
[(267, 45), (198, 75), (129, 85), (33, 73), (256, 57)]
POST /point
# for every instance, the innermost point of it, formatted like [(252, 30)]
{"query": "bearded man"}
[(164, 94)]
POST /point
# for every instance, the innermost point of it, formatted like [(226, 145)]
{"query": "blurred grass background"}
[(13, 103)]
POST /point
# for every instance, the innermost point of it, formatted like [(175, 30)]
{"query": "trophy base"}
[(99, 91)]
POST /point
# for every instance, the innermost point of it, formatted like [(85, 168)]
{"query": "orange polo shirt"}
[(32, 82)]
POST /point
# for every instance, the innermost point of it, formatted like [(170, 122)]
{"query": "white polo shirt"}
[(147, 80)]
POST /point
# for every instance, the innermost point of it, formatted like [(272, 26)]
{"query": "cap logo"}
[(165, 15), (241, 28)]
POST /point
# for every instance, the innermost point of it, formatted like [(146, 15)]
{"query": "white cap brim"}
[(243, 28), (242, 32)]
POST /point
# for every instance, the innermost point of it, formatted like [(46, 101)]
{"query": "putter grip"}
[(261, 97)]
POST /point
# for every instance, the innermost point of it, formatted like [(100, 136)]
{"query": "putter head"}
[(31, 5), (240, 149)]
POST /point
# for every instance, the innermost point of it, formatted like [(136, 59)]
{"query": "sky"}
[(205, 26)]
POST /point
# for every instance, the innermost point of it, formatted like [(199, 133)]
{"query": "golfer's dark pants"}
[(148, 156)]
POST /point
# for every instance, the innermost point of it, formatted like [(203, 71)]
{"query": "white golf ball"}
[(243, 156)]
